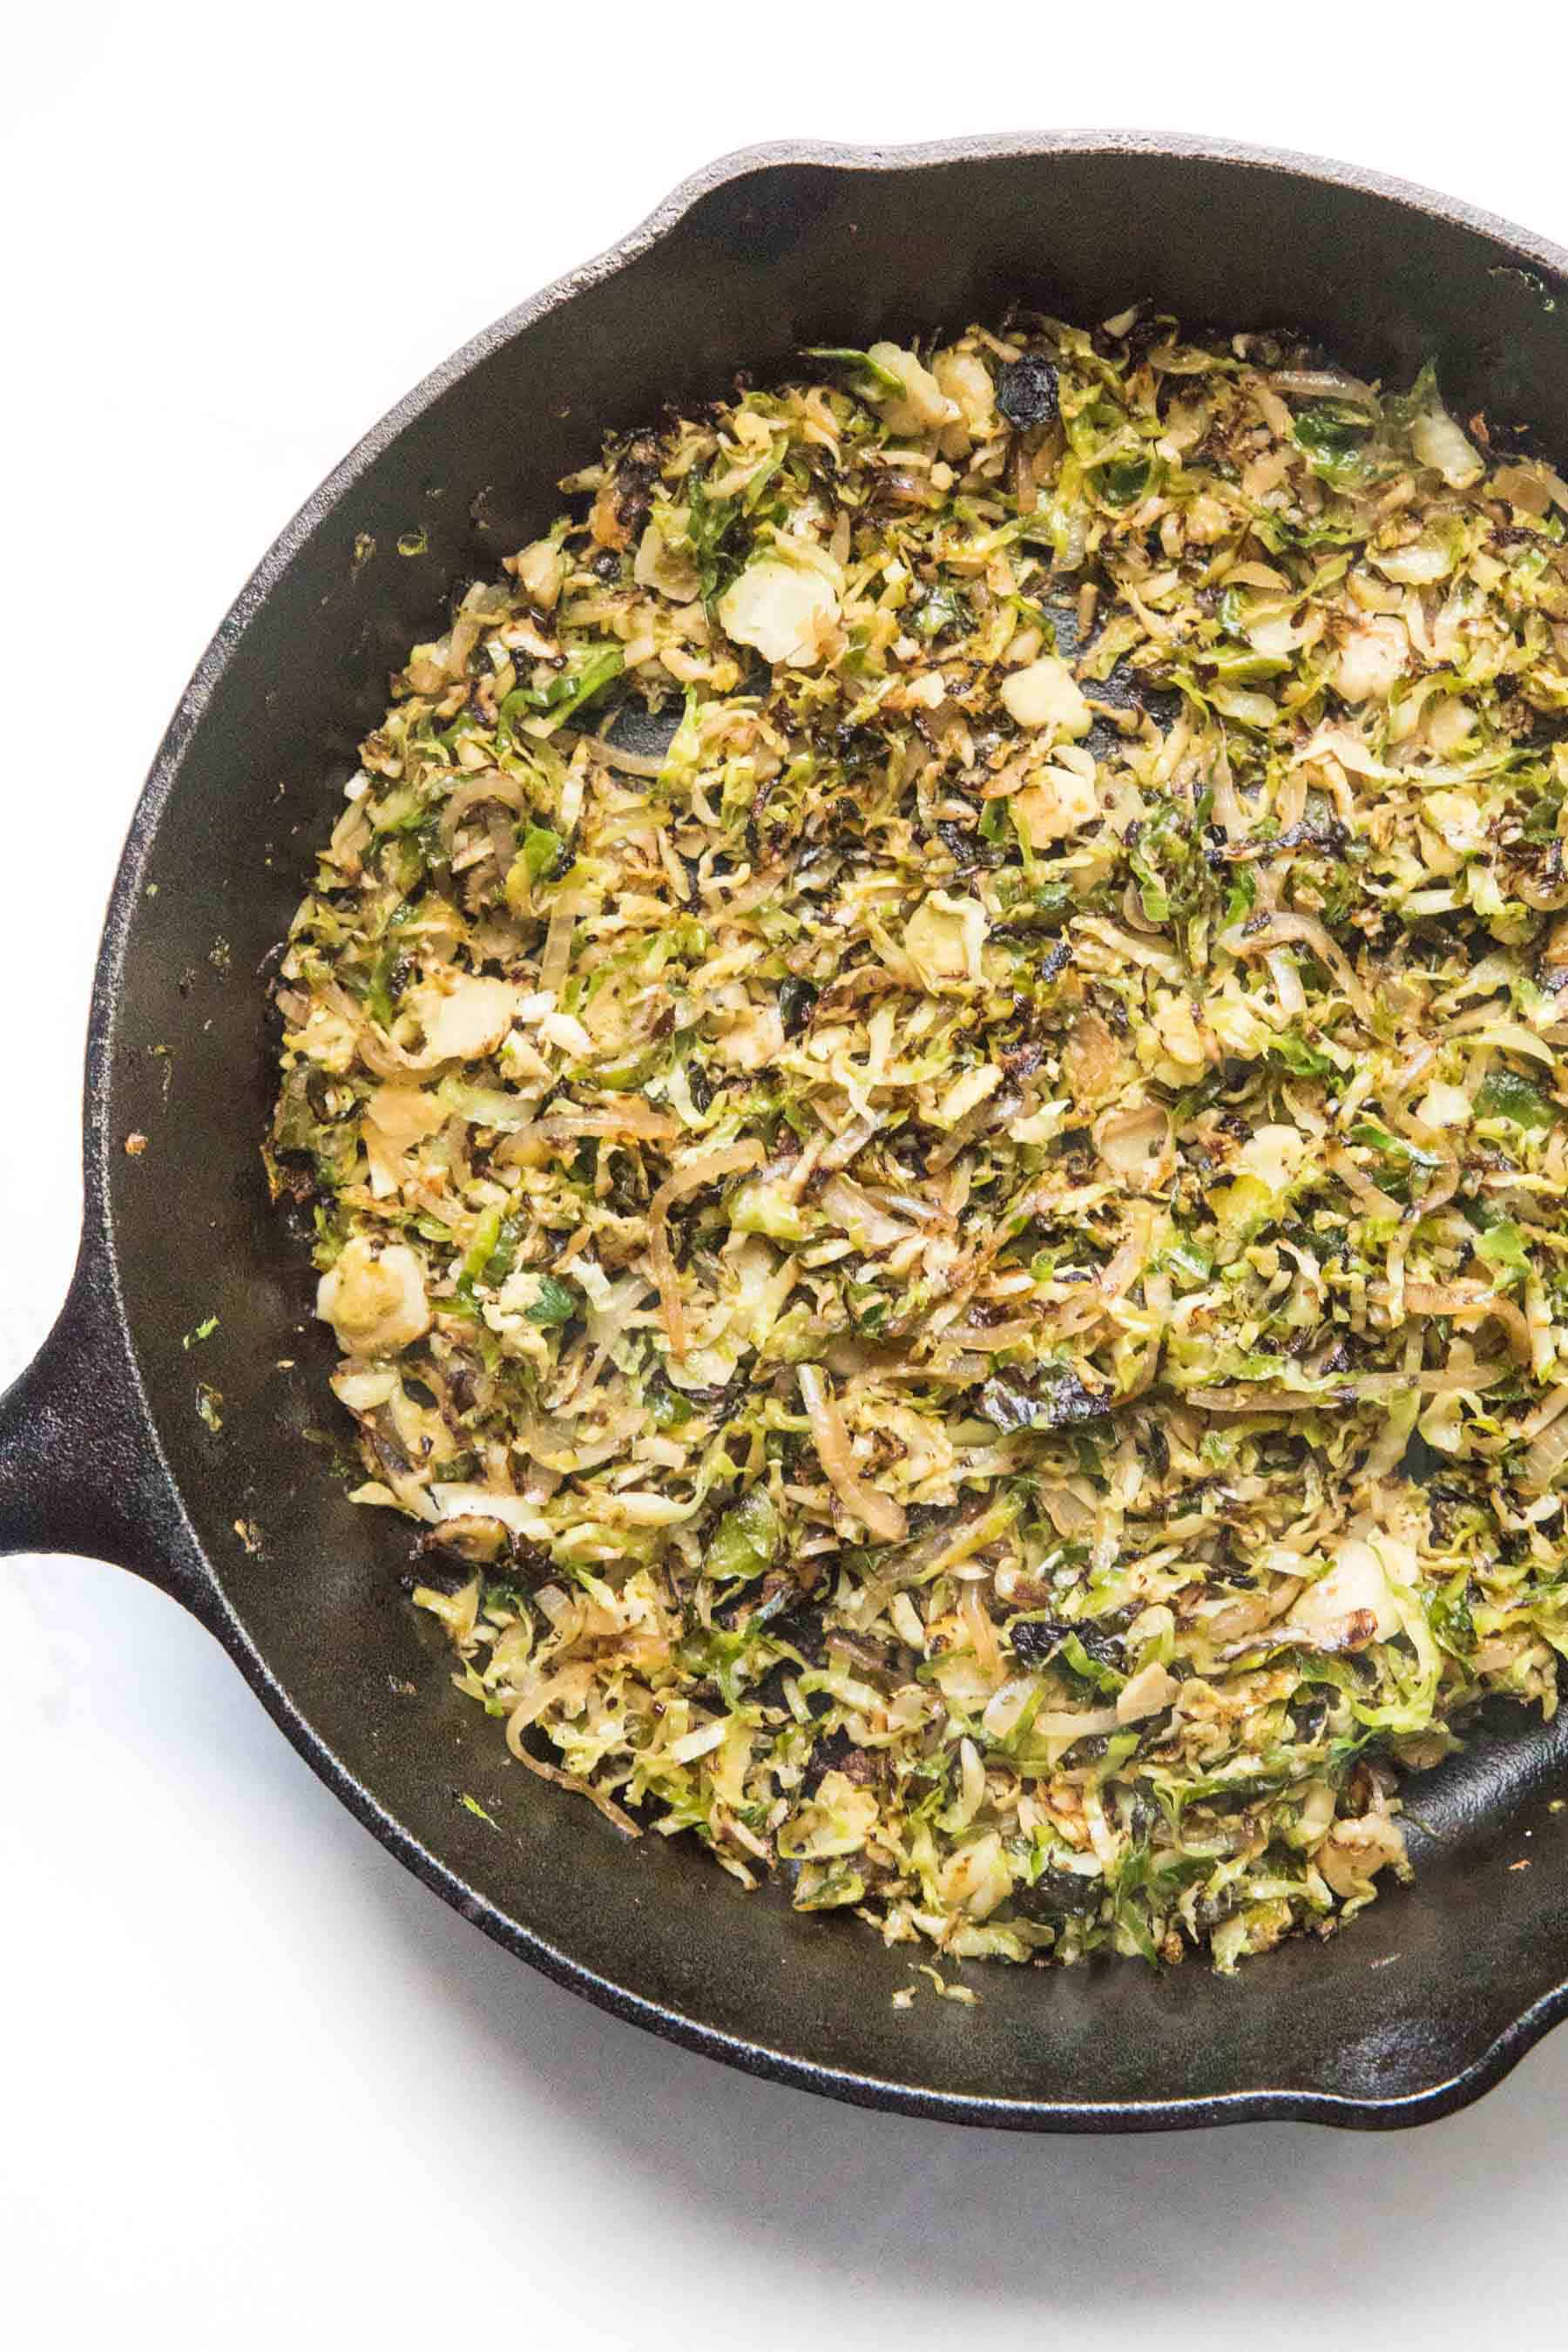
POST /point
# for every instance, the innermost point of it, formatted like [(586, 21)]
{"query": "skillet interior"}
[(770, 254)]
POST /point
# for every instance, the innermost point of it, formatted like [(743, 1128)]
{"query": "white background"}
[(257, 2084)]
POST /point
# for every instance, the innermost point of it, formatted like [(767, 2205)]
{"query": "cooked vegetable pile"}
[(966, 1267)]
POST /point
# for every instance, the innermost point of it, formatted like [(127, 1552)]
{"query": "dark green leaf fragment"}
[(860, 362), (556, 1302), (1055, 1402), (746, 1538), (1505, 1095)]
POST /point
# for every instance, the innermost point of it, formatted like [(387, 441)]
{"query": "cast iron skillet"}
[(1433, 1995)]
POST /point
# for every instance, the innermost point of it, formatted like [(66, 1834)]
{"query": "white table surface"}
[(258, 2086)]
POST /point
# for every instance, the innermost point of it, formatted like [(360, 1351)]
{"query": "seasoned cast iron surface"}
[(757, 257)]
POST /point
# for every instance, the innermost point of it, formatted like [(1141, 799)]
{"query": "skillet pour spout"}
[(209, 1470)]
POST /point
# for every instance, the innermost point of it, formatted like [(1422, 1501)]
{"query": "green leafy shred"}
[(1503, 1094)]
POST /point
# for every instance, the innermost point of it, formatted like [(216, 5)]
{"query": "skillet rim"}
[(97, 1297)]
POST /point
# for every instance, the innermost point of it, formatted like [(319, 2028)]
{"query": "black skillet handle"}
[(80, 1469)]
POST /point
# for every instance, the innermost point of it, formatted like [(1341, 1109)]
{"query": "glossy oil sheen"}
[(1437, 1989)]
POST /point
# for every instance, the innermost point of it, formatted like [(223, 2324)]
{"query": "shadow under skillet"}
[(974, 2219)]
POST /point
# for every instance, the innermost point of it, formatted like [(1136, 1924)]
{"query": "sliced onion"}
[(1286, 984), (1414, 1066), (847, 1145), (1371, 1390), (1067, 1509), (690, 1178), (1514, 1037), (380, 1054), (990, 1338), (879, 1513), (1510, 1314), (1121, 1271), (1003, 1104), (556, 961), (1461, 1377), (1263, 1398), (1462, 1305), (1434, 1297), (630, 764), (629, 1115), (1545, 1456), (1550, 1410), (490, 784), (464, 636), (503, 834), (1323, 384), (1084, 1306), (1281, 930), (1533, 486), (856, 1213), (975, 1619), (906, 1205), (542, 1688), (560, 1780), (1356, 1181), (1229, 813), (1128, 943), (1089, 1725), (946, 1372)]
